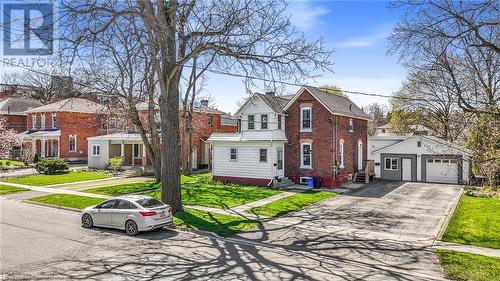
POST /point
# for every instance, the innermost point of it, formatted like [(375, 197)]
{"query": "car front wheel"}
[(87, 221), (131, 228)]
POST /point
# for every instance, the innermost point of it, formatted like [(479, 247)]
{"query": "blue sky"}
[(357, 30)]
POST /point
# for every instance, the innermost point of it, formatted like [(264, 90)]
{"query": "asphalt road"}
[(39, 242)]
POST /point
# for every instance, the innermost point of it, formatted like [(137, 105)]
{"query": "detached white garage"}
[(419, 158)]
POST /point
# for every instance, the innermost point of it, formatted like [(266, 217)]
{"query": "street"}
[(49, 243)]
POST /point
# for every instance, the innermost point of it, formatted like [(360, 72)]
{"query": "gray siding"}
[(397, 174)]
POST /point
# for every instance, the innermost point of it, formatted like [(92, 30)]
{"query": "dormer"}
[(262, 112)]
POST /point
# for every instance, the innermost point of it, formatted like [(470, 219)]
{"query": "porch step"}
[(283, 182), (360, 177), (129, 173)]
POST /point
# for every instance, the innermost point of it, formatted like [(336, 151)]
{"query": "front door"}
[(279, 162), (406, 173), (360, 156)]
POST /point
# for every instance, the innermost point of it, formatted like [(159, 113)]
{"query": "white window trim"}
[(351, 125), (248, 121), (279, 120), (93, 150), (42, 121), (140, 150), (266, 155), (233, 160), (69, 144), (262, 121), (54, 124), (302, 166), (390, 168), (342, 156), (310, 119), (33, 121)]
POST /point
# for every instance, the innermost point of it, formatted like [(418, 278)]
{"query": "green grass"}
[(290, 204), (476, 221), (219, 195), (73, 176), (67, 200), (6, 190), (223, 225), (3, 162), (121, 189), (465, 266)]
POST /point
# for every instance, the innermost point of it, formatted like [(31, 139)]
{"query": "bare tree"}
[(248, 36), (377, 113)]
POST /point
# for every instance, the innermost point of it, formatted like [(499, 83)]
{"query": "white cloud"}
[(364, 41), (305, 15)]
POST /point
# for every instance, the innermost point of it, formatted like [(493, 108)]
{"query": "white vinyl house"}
[(419, 158), (256, 154)]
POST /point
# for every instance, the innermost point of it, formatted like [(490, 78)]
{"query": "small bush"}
[(115, 164), (36, 158), (50, 166), (7, 163)]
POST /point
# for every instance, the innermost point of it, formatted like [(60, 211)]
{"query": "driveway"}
[(387, 225)]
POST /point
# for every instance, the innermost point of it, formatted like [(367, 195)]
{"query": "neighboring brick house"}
[(206, 120), (61, 129), (327, 137), (13, 110)]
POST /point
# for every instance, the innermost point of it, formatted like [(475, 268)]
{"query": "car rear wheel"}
[(131, 228), (87, 221)]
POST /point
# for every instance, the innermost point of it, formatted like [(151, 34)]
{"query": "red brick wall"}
[(250, 181), (16, 122), (83, 125), (324, 146)]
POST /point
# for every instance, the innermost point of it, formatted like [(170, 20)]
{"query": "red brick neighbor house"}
[(285, 139), (206, 120), (13, 110), (61, 129), (327, 137)]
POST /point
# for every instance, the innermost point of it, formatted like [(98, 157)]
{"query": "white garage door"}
[(442, 170)]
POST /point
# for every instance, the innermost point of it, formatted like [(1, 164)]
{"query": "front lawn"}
[(6, 189), (223, 225), (219, 195), (465, 266), (67, 200), (73, 176), (476, 221), (12, 163), (290, 204), (125, 188)]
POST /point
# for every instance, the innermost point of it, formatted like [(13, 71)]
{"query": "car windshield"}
[(149, 203)]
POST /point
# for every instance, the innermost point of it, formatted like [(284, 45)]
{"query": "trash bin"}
[(317, 182), (310, 182)]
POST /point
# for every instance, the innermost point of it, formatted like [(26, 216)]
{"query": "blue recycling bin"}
[(310, 182)]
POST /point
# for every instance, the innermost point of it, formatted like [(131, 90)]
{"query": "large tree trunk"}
[(170, 171)]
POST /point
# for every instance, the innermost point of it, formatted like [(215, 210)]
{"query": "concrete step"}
[(282, 182)]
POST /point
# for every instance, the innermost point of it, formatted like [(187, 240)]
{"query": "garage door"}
[(442, 170)]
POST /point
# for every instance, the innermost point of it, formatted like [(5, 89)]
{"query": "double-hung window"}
[(391, 163), (54, 121), (341, 154), (251, 122), (42, 121), (209, 121), (233, 154), (262, 155), (279, 121), (263, 121), (96, 150), (33, 121), (306, 155), (72, 143), (138, 150), (305, 119), (351, 125)]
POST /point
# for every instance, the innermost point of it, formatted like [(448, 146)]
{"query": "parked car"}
[(133, 213)]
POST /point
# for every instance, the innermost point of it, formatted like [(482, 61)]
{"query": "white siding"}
[(258, 107), (247, 165), (100, 161), (411, 147)]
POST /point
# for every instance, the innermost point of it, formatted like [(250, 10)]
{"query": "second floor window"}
[(341, 154), (351, 125), (112, 123), (251, 122), (72, 143), (305, 119), (33, 121), (210, 121), (279, 121), (54, 121), (263, 121), (42, 121)]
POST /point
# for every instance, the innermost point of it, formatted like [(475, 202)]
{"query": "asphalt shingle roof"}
[(338, 104), (17, 106), (277, 103), (71, 105)]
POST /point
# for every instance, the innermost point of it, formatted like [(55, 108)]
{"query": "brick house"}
[(61, 129), (129, 145), (323, 135), (13, 110), (327, 137)]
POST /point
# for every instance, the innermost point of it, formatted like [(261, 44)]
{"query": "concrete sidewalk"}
[(467, 249), (53, 190)]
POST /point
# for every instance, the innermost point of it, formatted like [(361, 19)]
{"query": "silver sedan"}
[(133, 213)]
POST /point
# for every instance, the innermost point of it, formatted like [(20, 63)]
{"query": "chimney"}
[(270, 94), (204, 102)]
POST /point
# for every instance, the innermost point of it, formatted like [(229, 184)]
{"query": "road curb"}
[(52, 206), (447, 219)]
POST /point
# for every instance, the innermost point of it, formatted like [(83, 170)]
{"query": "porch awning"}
[(40, 133)]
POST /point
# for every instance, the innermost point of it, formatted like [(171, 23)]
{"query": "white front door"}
[(406, 174), (279, 158), (360, 156)]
